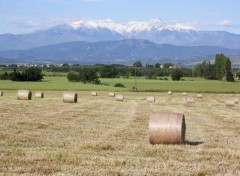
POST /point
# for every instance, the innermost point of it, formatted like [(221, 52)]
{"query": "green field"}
[(189, 85)]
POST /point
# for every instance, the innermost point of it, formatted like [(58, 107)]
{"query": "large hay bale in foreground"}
[(93, 93), (230, 102), (190, 100), (184, 93), (119, 97), (111, 94), (70, 97), (39, 95), (199, 95), (167, 128), (169, 92), (24, 95), (1, 93), (151, 99)]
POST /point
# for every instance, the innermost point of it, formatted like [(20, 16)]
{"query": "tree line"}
[(29, 74), (220, 70)]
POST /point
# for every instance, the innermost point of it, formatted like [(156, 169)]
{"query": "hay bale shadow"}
[(193, 143)]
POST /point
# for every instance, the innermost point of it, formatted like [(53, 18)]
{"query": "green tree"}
[(32, 74), (137, 64), (176, 74), (4, 76), (85, 75), (229, 76), (157, 65), (108, 71), (15, 75), (228, 65), (73, 77), (167, 65), (219, 65), (222, 66)]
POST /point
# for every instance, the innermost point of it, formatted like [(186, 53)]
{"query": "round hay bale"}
[(190, 100), (24, 95), (111, 94), (184, 93), (39, 95), (93, 93), (169, 92), (1, 93), (230, 102), (119, 97), (70, 97), (199, 96), (236, 100), (167, 128), (151, 99)]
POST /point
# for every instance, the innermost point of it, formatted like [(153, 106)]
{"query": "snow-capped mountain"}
[(156, 31), (129, 28)]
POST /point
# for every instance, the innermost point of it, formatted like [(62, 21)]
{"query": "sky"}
[(24, 16)]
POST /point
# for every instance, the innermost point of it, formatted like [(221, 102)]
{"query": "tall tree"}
[(219, 66), (137, 64), (228, 64), (223, 68)]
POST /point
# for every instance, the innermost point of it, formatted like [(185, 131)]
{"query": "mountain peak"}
[(130, 27)]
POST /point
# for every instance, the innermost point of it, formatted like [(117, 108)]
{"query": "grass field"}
[(101, 136), (189, 85)]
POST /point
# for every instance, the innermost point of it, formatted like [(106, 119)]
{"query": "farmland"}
[(101, 136), (142, 84)]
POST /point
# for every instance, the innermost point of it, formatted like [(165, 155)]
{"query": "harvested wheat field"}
[(102, 136)]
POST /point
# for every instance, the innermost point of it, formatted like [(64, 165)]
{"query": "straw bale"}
[(39, 95), (93, 93), (119, 97), (190, 100), (70, 97), (169, 92), (236, 100), (184, 93), (151, 99), (167, 128), (1, 93), (199, 95), (111, 94), (24, 95), (230, 102)]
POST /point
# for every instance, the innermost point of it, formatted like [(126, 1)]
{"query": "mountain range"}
[(106, 41)]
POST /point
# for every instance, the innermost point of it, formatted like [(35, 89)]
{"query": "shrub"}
[(229, 77), (86, 75), (176, 75), (119, 85)]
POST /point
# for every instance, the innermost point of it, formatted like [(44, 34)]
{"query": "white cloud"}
[(39, 25), (224, 23)]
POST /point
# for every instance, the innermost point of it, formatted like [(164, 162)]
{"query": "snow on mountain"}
[(130, 27), (98, 24)]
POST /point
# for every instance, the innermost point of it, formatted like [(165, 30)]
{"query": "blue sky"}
[(22, 16)]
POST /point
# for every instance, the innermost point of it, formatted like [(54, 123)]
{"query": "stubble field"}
[(101, 136)]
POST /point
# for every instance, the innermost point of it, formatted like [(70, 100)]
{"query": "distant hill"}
[(118, 52)]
